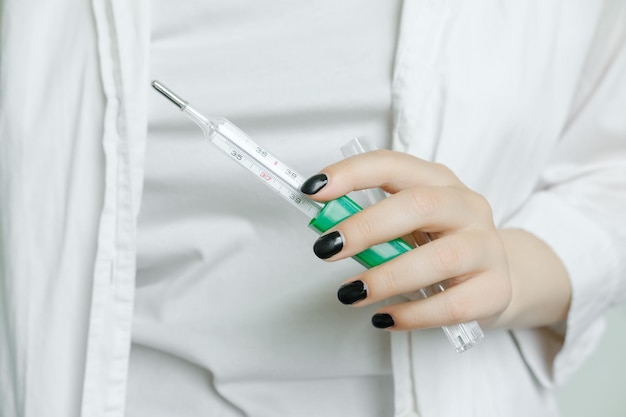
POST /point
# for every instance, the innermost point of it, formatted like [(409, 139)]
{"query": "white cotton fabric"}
[(523, 100), (232, 308)]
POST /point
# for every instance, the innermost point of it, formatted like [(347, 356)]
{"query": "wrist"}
[(541, 290)]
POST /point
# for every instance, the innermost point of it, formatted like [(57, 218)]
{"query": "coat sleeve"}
[(579, 210)]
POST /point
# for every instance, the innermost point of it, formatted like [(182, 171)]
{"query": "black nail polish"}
[(382, 321), (314, 184), (352, 292), (328, 245)]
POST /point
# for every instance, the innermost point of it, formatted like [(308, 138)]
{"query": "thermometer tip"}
[(169, 94)]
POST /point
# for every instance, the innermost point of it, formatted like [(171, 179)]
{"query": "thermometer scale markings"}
[(269, 161), (286, 188)]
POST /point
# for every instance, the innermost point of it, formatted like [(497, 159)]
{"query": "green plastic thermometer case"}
[(336, 211)]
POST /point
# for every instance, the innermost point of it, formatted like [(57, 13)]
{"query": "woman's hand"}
[(467, 249)]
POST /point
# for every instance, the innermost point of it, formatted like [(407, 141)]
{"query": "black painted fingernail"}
[(352, 292), (382, 321), (314, 184), (328, 245)]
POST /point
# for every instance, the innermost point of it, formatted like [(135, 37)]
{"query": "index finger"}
[(389, 170)]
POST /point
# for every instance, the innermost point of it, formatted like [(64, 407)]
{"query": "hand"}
[(426, 197)]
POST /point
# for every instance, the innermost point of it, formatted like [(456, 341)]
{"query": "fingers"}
[(467, 260), (391, 171), (478, 293), (458, 257), (428, 209), (426, 198), (458, 304)]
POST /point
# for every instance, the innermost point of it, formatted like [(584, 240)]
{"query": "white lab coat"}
[(469, 78)]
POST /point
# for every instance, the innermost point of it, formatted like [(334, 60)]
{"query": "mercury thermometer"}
[(287, 182)]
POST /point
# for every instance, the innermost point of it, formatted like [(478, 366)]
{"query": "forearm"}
[(541, 290)]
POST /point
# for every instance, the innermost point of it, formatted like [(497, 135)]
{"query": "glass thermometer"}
[(287, 182)]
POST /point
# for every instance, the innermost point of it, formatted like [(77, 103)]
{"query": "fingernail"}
[(352, 292), (314, 184), (382, 321), (328, 245)]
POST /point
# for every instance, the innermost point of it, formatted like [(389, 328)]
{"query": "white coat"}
[(469, 78)]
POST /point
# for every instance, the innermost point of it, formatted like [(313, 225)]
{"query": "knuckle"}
[(480, 204), (455, 308), (387, 281), (424, 202), (364, 227), (448, 259), (444, 171), (383, 157)]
